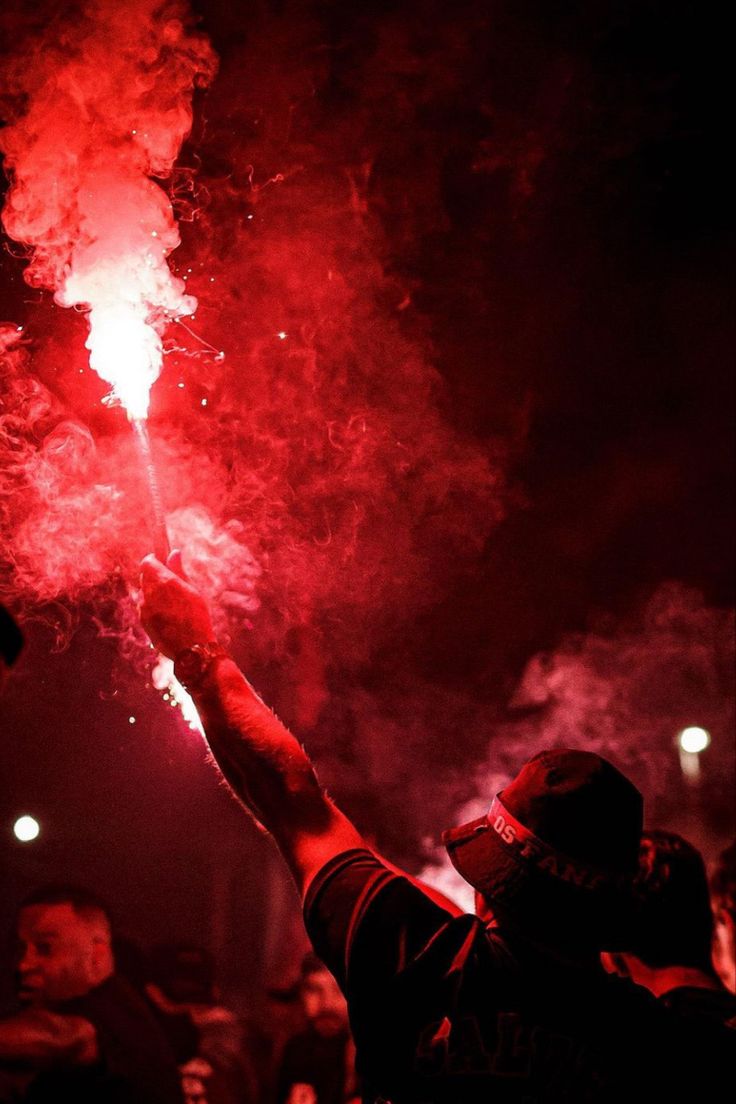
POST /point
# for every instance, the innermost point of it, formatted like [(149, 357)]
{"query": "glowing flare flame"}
[(126, 353), (130, 298)]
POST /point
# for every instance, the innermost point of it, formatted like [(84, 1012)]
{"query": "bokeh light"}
[(694, 739), (26, 828)]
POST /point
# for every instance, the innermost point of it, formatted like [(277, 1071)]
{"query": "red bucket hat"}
[(560, 844)]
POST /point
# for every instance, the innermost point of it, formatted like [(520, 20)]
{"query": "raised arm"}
[(265, 766)]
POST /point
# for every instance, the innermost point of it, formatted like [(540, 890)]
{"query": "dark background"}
[(546, 186)]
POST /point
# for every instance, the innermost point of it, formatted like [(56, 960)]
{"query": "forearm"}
[(37, 1038), (268, 770), (263, 763)]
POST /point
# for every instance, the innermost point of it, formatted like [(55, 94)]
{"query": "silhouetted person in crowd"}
[(723, 895), (134, 964), (513, 1006), (11, 644), (83, 1034), (318, 1064), (182, 983), (670, 951)]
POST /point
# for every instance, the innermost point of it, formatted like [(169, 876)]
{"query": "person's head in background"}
[(323, 1003), (64, 945), (670, 945), (183, 973), (11, 644), (723, 896)]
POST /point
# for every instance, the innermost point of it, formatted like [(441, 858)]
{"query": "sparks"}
[(174, 694)]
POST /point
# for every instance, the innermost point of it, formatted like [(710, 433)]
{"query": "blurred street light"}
[(26, 828), (690, 743), (694, 739)]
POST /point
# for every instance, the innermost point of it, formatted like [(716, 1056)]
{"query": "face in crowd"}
[(323, 1003), (62, 953)]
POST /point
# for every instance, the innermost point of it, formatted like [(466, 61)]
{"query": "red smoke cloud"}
[(322, 464)]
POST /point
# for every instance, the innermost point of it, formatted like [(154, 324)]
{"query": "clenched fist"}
[(174, 615)]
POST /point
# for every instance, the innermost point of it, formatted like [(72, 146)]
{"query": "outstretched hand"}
[(173, 613)]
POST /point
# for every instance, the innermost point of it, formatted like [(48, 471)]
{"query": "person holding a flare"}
[(509, 1005)]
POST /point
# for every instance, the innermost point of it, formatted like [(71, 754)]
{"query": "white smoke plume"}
[(102, 103)]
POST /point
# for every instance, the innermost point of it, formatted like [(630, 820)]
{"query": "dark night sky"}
[(541, 181)]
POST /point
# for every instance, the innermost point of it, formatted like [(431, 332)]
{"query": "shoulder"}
[(358, 877), (354, 875), (367, 918), (714, 1005)]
